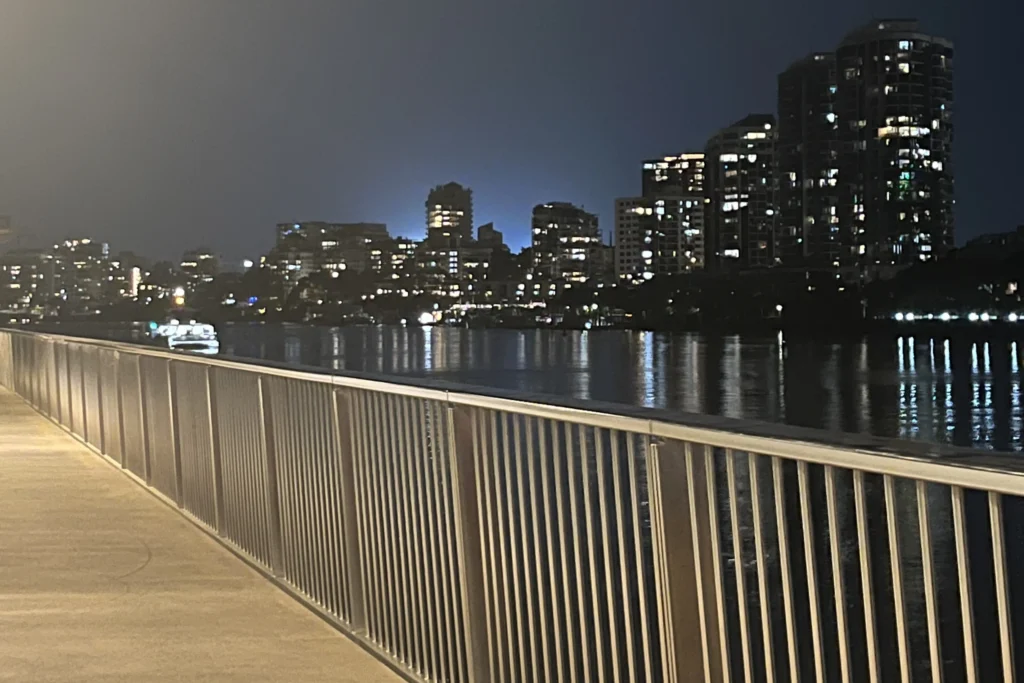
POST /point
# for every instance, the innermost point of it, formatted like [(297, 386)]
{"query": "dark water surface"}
[(957, 391)]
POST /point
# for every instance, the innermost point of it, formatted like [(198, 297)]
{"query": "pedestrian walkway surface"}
[(100, 581)]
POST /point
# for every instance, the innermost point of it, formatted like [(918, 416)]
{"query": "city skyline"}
[(506, 182)]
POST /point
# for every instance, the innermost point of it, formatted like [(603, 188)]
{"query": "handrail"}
[(474, 535)]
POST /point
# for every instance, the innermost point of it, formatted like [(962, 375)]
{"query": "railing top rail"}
[(972, 468)]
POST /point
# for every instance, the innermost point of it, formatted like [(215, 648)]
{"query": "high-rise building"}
[(807, 159), (565, 238), (450, 214), (81, 272), (658, 236), (662, 232), (674, 176), (26, 280), (740, 188), (894, 104), (200, 266), (489, 236)]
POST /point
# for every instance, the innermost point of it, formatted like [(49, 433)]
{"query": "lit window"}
[(904, 67), (726, 158)]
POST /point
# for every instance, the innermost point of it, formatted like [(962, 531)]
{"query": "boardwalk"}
[(99, 581)]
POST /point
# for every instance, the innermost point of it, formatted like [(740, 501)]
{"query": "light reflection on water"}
[(956, 391)]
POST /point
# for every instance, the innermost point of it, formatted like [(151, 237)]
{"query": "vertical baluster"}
[(537, 509), (995, 512), (624, 573), (379, 486), (588, 518), (931, 599), (716, 556), (406, 561), (423, 510), (811, 564), (867, 586), (413, 511), (448, 554), (514, 456), (485, 474), (737, 549), (606, 536), (368, 528), (786, 568), (896, 562), (838, 584), (351, 522), (501, 504), (703, 575), (434, 541), (762, 569), (564, 541), (641, 578), (574, 516), (964, 575)]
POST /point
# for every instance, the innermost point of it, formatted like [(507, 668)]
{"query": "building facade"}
[(739, 225), (662, 232), (564, 240), (658, 236), (450, 214), (807, 231), (674, 176), (199, 266), (894, 104)]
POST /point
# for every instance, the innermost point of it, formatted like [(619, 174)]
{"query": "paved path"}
[(99, 581)]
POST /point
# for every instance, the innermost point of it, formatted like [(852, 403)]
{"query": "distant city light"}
[(985, 317), (909, 317), (247, 263), (426, 318), (899, 317), (1013, 317), (973, 317), (945, 317)]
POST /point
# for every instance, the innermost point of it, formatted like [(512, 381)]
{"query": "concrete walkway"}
[(99, 581)]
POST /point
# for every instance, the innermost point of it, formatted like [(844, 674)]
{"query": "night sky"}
[(159, 125)]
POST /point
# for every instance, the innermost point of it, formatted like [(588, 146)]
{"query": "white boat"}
[(191, 336)]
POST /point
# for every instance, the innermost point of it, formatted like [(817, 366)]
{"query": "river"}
[(956, 391)]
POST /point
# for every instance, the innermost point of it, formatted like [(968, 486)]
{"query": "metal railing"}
[(469, 537)]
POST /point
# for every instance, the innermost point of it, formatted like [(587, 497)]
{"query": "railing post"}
[(69, 417), (147, 467), (461, 428), (119, 394), (101, 422), (680, 532), (346, 453), (218, 482), (273, 511), (85, 397), (172, 393)]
